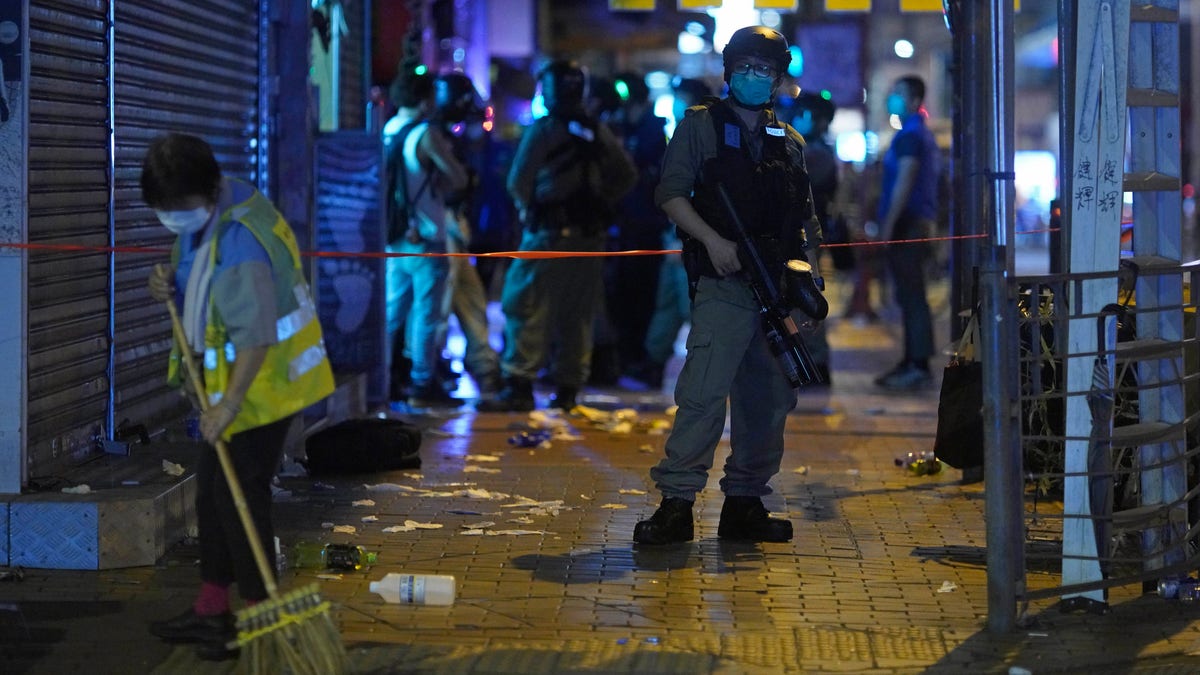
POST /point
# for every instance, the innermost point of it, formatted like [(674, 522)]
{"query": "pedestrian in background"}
[(249, 317), (813, 114), (908, 209), (736, 144), (422, 171), (640, 224), (566, 177), (672, 301)]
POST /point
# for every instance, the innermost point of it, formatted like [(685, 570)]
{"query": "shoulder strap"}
[(398, 181)]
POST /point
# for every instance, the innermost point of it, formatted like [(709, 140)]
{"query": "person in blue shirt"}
[(908, 207)]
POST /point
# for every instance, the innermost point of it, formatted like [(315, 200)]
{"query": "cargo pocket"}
[(696, 366)]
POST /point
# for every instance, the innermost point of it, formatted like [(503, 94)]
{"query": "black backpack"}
[(363, 446)]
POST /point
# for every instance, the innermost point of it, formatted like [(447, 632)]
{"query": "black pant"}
[(907, 262), (225, 555)]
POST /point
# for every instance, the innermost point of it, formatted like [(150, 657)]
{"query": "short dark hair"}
[(915, 86), (819, 105), (408, 90), (178, 166)]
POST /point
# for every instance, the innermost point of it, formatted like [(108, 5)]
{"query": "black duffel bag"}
[(363, 446)]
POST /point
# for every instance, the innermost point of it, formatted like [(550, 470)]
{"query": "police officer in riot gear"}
[(735, 143), (565, 179)]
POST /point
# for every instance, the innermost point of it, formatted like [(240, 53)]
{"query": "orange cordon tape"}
[(527, 255)]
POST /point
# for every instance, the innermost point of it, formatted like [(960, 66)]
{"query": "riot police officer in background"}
[(736, 144), (566, 177), (459, 111)]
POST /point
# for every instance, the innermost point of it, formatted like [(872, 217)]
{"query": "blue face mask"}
[(896, 105), (751, 91)]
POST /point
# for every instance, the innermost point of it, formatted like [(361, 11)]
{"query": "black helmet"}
[(455, 98), (563, 84), (757, 41)]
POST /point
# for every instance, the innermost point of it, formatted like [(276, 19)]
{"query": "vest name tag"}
[(775, 131), (733, 136)]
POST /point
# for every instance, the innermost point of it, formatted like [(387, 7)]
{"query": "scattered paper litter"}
[(330, 577), (370, 519), (171, 468), (410, 525), (480, 525), (947, 587), (390, 487), (518, 533), (613, 506), (802, 470), (631, 491), (586, 497), (480, 469), (343, 529), (363, 502), (414, 476), (78, 490), (280, 493), (482, 458), (524, 520), (852, 472)]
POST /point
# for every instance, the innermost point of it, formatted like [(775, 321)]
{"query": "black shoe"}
[(515, 396), (746, 519), (216, 651), (189, 627), (670, 524), (432, 395), (564, 398)]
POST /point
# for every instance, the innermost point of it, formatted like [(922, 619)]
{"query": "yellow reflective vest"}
[(296, 372)]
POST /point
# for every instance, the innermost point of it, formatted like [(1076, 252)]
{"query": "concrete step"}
[(134, 510)]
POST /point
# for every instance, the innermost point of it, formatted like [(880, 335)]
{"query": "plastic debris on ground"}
[(172, 469), (479, 469), (341, 529), (802, 470), (948, 587), (411, 525), (363, 502), (78, 490), (370, 519)]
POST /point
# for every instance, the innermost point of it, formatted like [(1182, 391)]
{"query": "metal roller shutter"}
[(68, 204), (181, 66), (352, 77)]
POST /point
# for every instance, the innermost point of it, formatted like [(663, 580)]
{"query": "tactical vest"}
[(296, 372), (771, 196)]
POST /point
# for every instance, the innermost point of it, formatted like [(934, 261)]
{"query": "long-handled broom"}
[(286, 633)]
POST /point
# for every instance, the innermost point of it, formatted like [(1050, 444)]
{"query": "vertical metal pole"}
[(1060, 244), (1002, 468), (110, 414)]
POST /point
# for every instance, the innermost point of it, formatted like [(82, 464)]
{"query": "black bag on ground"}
[(363, 446), (959, 440)]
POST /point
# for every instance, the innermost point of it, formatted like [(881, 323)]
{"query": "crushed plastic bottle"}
[(346, 557), (1184, 589), (530, 439), (922, 463)]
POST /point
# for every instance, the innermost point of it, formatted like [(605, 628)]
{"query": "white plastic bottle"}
[(415, 589)]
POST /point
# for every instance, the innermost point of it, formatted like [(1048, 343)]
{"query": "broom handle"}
[(235, 488)]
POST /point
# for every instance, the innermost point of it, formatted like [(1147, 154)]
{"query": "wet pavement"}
[(886, 572)]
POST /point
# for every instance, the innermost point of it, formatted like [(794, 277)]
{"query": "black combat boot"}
[(746, 519), (670, 524), (564, 398), (515, 396)]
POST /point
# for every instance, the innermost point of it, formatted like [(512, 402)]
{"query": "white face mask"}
[(184, 222)]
